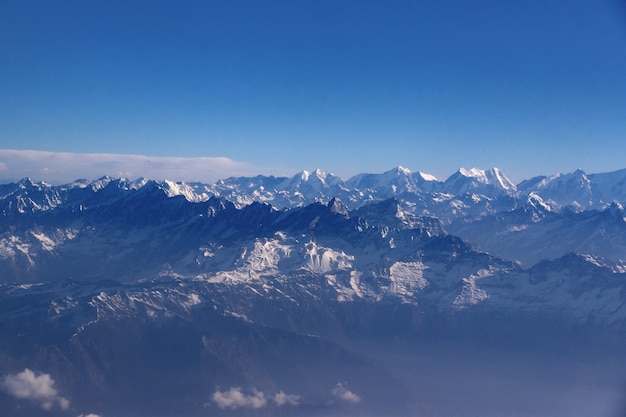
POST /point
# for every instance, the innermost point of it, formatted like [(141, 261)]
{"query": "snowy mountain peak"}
[(304, 175), (399, 171), (574, 189), (326, 178), (336, 206), (424, 176), (26, 183), (96, 185), (316, 177), (172, 189), (387, 184), (503, 181), (139, 183), (320, 174), (474, 180), (492, 176), (403, 170), (473, 173), (536, 202)]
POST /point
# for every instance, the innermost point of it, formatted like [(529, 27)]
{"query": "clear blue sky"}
[(533, 87)]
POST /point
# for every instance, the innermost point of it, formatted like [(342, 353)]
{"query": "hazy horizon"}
[(64, 167)]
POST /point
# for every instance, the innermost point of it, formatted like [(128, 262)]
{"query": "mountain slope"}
[(153, 298)]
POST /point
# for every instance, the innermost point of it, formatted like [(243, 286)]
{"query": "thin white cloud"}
[(39, 388), (235, 398), (343, 393), (65, 167), (282, 398), (89, 415)]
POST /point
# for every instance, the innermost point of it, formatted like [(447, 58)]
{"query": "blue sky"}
[(533, 87)]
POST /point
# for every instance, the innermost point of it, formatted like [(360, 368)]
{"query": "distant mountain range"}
[(265, 295), (576, 189)]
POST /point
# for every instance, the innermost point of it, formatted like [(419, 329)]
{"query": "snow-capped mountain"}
[(388, 184), (136, 230), (308, 295), (535, 232), (303, 188), (609, 186), (572, 189), (477, 181), (576, 190), (579, 190)]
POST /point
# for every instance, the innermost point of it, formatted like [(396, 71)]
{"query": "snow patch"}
[(46, 243), (321, 260), (406, 278), (260, 262), (426, 177), (471, 294)]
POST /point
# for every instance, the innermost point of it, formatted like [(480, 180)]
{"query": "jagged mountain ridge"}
[(149, 297), (577, 190), (141, 230), (463, 204), (533, 232)]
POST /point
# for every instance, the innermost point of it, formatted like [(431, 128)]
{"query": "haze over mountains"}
[(381, 294)]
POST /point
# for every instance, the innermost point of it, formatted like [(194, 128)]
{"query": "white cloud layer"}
[(236, 398), (38, 388), (343, 393), (65, 167)]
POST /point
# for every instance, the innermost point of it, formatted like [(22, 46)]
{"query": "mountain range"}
[(312, 295)]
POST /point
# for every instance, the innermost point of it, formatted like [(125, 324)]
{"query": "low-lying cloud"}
[(65, 167), (343, 393), (39, 388), (236, 398), (282, 398)]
